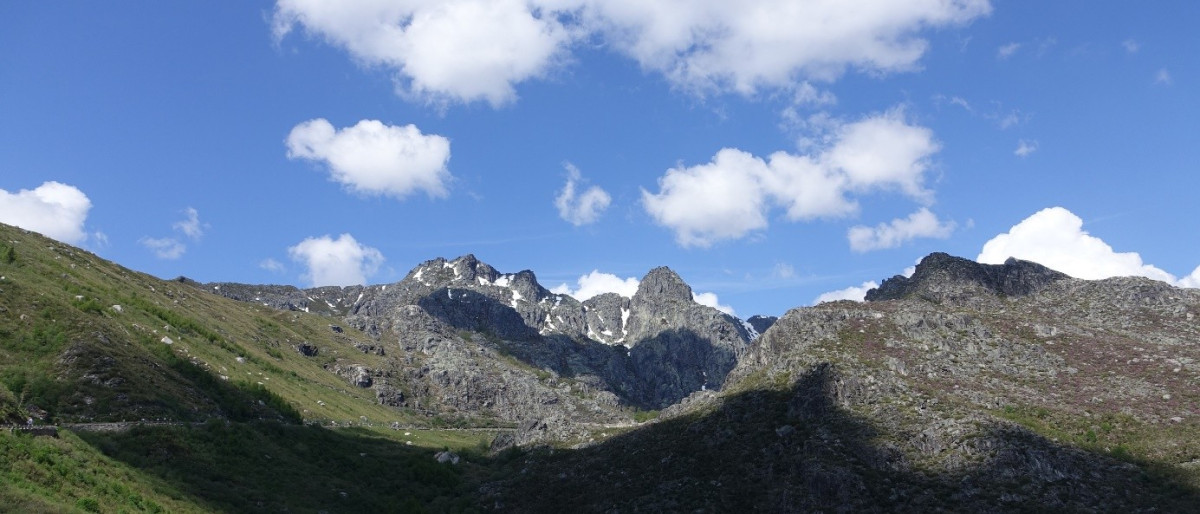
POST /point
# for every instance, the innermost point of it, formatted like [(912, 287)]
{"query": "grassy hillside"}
[(85, 340)]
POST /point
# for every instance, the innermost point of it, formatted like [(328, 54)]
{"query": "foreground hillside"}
[(964, 387), (83, 340)]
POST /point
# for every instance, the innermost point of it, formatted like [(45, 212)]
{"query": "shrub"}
[(88, 504)]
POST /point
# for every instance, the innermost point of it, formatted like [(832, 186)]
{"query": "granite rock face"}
[(966, 388), (467, 339), (942, 277)]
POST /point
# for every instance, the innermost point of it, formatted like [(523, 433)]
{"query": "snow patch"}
[(503, 280), (749, 328)]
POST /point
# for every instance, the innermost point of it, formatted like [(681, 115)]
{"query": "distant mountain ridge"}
[(648, 351)]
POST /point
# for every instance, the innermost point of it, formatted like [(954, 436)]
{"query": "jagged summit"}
[(940, 276), (663, 283)]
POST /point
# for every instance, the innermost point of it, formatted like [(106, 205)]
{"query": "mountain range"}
[(963, 387)]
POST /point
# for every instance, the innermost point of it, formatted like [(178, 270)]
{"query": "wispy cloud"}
[(171, 248), (580, 208), (1007, 51), (272, 265), (167, 248), (784, 271), (1025, 148), (921, 224), (191, 226), (1163, 77)]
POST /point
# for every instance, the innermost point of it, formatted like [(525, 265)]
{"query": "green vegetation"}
[(46, 474), (1118, 436), (273, 467), (82, 339), (642, 416)]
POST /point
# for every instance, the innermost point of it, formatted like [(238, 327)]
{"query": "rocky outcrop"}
[(606, 318), (356, 374), (308, 350), (941, 277)]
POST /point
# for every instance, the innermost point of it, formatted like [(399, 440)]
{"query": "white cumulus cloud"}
[(448, 51), (729, 197), (53, 209), (1054, 237), (336, 262), (750, 45), (597, 283), (478, 50), (580, 208), (1192, 280), (856, 293), (711, 300), (921, 223), (373, 158), (703, 204)]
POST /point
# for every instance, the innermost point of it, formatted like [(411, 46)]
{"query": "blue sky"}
[(766, 156)]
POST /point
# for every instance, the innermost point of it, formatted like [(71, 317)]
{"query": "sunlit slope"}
[(83, 339)]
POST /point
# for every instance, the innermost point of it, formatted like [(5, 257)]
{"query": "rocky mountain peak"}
[(941, 276), (663, 283), (761, 323)]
